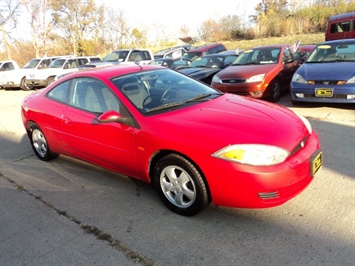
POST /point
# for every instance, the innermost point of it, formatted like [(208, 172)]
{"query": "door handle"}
[(66, 120)]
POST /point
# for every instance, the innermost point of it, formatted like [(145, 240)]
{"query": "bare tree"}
[(9, 13), (116, 29), (77, 20), (41, 25)]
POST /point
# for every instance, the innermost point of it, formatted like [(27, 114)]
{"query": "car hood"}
[(232, 119), (197, 71), (327, 71), (245, 71)]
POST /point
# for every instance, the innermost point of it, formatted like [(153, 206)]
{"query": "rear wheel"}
[(40, 145), (274, 91), (180, 185)]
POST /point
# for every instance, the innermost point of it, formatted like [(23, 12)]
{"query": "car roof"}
[(164, 51), (340, 41), (111, 71), (217, 55), (204, 47), (272, 46), (342, 16)]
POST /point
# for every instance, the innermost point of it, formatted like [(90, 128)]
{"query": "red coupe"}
[(195, 144)]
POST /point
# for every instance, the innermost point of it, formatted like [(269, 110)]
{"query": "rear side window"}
[(341, 26), (60, 93)]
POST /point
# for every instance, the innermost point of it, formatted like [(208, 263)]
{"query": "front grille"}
[(268, 195), (325, 82), (233, 81), (335, 96)]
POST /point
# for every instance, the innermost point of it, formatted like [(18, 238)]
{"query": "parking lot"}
[(67, 212)]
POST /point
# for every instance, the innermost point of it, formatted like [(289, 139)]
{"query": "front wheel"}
[(180, 185), (50, 80), (23, 85), (40, 145), (274, 91)]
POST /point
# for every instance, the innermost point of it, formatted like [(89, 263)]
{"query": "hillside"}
[(305, 39)]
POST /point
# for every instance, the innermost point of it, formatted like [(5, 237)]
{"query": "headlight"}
[(351, 80), (298, 78), (306, 123), (256, 78), (253, 154), (216, 79)]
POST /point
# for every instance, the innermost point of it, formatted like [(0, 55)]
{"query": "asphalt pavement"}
[(67, 212)]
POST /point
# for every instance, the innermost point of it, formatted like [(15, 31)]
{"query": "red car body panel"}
[(196, 132)]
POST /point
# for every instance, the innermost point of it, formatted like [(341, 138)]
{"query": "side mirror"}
[(110, 116)]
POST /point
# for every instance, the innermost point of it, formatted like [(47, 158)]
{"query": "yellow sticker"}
[(324, 47)]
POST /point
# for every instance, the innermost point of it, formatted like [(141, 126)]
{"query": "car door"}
[(110, 145), (290, 66)]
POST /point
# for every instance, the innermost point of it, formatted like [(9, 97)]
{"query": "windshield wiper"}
[(165, 106), (198, 97)]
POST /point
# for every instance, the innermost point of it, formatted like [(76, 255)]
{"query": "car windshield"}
[(333, 53), (116, 56), (32, 63), (161, 90), (58, 63), (158, 62), (192, 55), (258, 56)]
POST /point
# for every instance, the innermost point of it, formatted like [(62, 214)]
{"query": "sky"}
[(169, 15), (173, 14)]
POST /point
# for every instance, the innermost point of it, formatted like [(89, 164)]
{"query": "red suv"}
[(212, 48)]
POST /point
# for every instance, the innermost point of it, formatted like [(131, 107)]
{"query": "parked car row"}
[(312, 73), (263, 72), (39, 72)]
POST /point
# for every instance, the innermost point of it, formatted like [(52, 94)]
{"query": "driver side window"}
[(93, 96)]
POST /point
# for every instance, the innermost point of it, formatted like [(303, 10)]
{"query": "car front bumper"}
[(254, 89), (35, 83), (323, 93), (245, 186)]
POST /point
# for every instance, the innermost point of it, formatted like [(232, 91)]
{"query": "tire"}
[(274, 91), (24, 86), (180, 185), (50, 80), (40, 145)]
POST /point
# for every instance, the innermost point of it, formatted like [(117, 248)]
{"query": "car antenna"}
[(136, 62)]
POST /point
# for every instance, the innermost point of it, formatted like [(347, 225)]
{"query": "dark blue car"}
[(328, 75)]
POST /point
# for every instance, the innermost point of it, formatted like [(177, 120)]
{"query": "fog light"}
[(256, 92), (350, 96), (300, 95)]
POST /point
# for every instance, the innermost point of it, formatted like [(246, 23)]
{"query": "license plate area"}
[(321, 92), (316, 162)]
